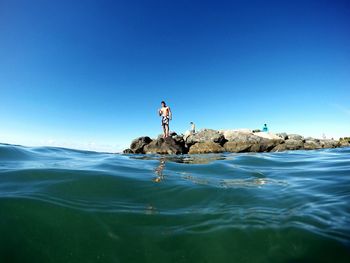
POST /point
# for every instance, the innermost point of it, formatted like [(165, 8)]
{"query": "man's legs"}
[(166, 130)]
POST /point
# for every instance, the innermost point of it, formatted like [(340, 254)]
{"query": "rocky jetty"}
[(213, 141)]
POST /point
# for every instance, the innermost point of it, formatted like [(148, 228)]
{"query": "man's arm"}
[(170, 114)]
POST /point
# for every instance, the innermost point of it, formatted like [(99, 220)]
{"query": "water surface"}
[(62, 205)]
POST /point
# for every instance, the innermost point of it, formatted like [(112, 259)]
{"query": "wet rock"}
[(206, 147)]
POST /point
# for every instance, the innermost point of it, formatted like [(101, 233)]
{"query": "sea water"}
[(62, 205)]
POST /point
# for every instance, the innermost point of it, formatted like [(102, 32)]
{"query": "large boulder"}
[(289, 145), (282, 135), (206, 135), (237, 147), (312, 145), (329, 143), (344, 142), (251, 144), (164, 146), (248, 142), (312, 139), (206, 147), (279, 148), (268, 135), (293, 144), (295, 137), (138, 144), (229, 133), (242, 137)]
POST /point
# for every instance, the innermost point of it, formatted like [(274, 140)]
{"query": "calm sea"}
[(62, 205)]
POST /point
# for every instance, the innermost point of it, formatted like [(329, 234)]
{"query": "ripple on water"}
[(277, 198)]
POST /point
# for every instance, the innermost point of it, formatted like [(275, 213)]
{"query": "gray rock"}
[(312, 139), (248, 142), (329, 143), (240, 137), (311, 145), (138, 144), (206, 135), (237, 147), (289, 145), (279, 148), (293, 144), (344, 143), (206, 147), (164, 146), (251, 144), (295, 137)]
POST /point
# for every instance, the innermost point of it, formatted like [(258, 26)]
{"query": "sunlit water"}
[(61, 205)]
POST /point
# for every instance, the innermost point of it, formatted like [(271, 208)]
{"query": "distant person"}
[(193, 127), (166, 115), (265, 129)]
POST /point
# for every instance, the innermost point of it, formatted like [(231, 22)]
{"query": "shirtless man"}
[(166, 115)]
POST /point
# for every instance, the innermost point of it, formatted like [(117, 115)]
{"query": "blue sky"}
[(91, 74)]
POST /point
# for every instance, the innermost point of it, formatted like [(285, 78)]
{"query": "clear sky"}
[(91, 74)]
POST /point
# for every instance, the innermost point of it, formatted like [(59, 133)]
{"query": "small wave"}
[(291, 195)]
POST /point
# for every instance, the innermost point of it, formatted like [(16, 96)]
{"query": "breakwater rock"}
[(213, 141)]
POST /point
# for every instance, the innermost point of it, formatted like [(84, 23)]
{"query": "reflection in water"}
[(188, 159), (159, 170)]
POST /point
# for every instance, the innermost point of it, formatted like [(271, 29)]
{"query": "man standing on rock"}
[(166, 115)]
